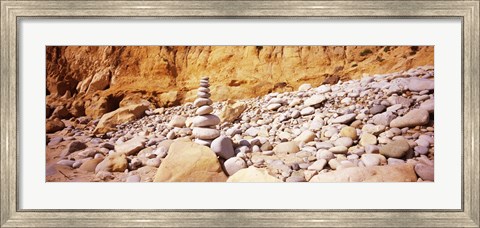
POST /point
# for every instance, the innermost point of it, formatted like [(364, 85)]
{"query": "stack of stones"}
[(204, 123)]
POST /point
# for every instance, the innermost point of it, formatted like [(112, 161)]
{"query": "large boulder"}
[(232, 111), (190, 162), (109, 121), (390, 173), (252, 175)]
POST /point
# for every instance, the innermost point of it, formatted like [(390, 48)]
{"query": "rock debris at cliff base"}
[(379, 128)]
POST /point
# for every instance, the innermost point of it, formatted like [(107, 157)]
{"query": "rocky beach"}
[(348, 126)]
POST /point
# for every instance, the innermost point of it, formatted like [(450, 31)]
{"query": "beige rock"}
[(115, 162), (177, 121), (78, 108), (367, 139), (168, 98), (416, 117), (232, 111), (109, 121), (350, 132), (286, 148), (306, 136), (390, 173), (252, 175), (190, 162)]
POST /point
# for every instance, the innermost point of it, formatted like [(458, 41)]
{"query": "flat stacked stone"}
[(204, 123)]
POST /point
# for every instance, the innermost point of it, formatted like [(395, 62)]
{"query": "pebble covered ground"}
[(312, 134)]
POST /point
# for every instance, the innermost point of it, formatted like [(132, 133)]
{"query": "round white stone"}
[(223, 147), (234, 164)]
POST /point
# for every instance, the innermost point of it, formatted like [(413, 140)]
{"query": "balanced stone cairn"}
[(204, 123)]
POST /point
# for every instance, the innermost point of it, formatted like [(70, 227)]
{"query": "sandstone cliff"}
[(94, 80)]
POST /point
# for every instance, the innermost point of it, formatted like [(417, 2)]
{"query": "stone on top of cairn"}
[(204, 124)]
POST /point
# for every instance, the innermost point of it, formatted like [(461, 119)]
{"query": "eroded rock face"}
[(416, 117), (168, 75), (190, 162)]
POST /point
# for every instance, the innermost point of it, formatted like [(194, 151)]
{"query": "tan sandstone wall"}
[(93, 80)]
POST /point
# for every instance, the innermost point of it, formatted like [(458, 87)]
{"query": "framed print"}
[(245, 113)]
